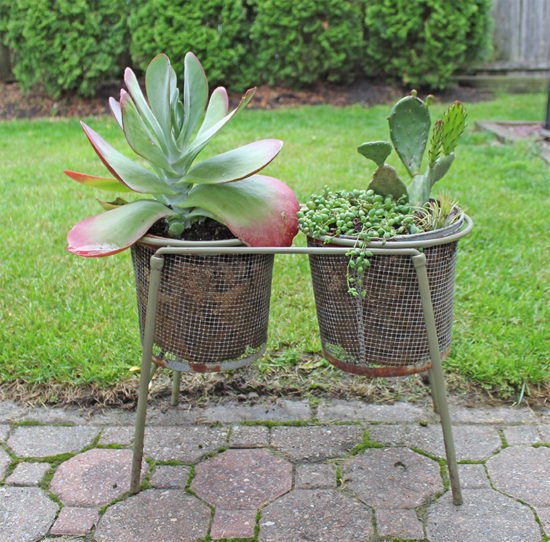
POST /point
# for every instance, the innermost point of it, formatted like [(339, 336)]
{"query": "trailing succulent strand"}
[(409, 126), (361, 214)]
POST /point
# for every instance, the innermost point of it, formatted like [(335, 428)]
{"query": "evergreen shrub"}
[(66, 44), (423, 43), (302, 42), (215, 30)]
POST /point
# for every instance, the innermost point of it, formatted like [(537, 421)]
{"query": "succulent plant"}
[(169, 135), (409, 124)]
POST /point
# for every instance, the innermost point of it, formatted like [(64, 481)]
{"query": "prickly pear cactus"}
[(409, 124)]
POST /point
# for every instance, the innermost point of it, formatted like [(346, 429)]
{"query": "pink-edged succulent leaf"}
[(125, 170), (117, 112), (108, 205), (103, 183), (195, 96), (201, 141), (259, 210), (157, 84), (115, 230), (149, 118), (235, 164), (138, 135), (217, 109)]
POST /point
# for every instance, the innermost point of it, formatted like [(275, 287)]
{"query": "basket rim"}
[(158, 241)]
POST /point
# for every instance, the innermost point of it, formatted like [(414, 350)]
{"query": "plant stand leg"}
[(437, 379), (435, 399), (176, 379), (145, 377)]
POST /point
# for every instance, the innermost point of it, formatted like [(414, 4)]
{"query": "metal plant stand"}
[(412, 249)]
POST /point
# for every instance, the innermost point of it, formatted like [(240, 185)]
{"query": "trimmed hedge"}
[(215, 30), (423, 43), (75, 44), (66, 44), (300, 43)]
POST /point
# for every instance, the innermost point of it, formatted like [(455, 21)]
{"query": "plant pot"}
[(384, 334), (213, 310)]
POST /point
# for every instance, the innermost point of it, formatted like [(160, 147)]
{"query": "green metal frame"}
[(392, 248)]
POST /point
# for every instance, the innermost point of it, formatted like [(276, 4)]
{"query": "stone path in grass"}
[(286, 471)]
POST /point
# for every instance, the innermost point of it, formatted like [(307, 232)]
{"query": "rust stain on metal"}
[(160, 362), (205, 367)]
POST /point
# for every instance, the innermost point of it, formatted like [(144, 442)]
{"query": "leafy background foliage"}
[(72, 45), (215, 30), (66, 44), (299, 43), (422, 43)]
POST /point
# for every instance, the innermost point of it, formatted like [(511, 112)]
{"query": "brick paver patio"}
[(283, 471)]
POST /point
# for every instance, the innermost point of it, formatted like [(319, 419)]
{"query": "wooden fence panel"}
[(521, 35)]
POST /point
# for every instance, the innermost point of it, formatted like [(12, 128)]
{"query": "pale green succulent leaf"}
[(138, 135), (115, 230), (217, 109), (157, 84), (259, 210), (125, 170), (235, 164), (145, 111), (201, 141), (195, 96)]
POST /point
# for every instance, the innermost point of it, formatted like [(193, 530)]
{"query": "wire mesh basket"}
[(383, 334), (213, 310)]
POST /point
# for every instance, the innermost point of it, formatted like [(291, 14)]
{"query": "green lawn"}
[(67, 319)]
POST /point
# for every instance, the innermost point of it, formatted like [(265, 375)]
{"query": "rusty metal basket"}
[(384, 334), (213, 310)]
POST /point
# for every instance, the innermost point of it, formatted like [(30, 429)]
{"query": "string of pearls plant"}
[(361, 214)]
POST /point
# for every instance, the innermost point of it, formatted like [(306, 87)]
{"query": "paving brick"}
[(155, 515), (4, 430), (186, 444), (242, 479), (316, 476), (473, 477), (544, 515), (170, 476), (28, 474), (492, 415), (392, 477), (246, 436), (485, 515), (46, 440), (472, 442), (522, 472), (359, 411), (117, 434), (322, 515), (75, 521), (10, 412), (521, 434), (282, 410), (316, 443), (26, 514), (93, 478), (399, 524), (5, 460), (233, 524), (545, 433), (46, 415)]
